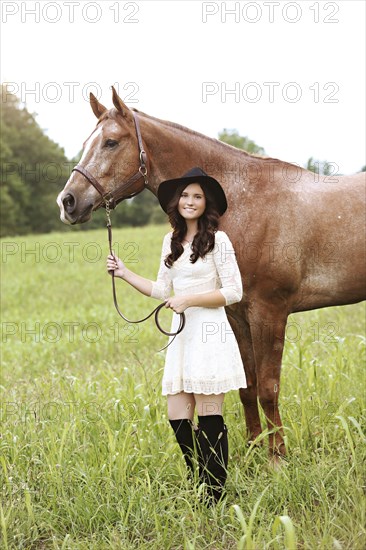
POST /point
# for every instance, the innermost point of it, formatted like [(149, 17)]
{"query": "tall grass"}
[(87, 457)]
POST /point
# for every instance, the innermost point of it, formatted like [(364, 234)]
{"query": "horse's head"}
[(112, 164)]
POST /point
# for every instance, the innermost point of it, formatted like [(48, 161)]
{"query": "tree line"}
[(34, 169)]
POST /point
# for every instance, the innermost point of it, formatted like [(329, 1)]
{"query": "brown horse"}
[(299, 237)]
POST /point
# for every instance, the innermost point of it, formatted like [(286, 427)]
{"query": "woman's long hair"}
[(204, 240)]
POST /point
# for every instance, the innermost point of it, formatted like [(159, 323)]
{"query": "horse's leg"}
[(248, 395), (268, 324)]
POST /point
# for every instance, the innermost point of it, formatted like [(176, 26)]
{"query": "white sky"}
[(179, 59)]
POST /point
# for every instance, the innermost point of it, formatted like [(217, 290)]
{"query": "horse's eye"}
[(111, 143)]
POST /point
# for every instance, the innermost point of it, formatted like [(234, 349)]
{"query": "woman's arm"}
[(227, 269), (141, 284)]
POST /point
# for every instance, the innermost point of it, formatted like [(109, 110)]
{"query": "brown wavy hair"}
[(208, 223)]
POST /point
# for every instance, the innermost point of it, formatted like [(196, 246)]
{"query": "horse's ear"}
[(98, 108), (118, 103)]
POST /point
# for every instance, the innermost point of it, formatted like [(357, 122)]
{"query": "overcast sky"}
[(289, 75)]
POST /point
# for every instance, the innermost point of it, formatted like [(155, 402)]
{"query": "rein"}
[(110, 203)]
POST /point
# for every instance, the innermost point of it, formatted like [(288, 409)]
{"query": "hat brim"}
[(167, 189)]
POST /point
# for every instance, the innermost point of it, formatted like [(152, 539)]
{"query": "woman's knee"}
[(181, 405)]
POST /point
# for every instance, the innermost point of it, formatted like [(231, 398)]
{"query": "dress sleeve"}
[(227, 269), (162, 287)]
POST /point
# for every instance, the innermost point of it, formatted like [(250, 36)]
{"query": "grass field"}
[(88, 460)]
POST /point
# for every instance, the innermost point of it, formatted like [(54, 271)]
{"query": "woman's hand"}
[(116, 266), (177, 303)]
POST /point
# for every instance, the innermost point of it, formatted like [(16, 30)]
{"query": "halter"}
[(110, 202)]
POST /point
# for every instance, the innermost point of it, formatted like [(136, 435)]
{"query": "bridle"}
[(108, 197), (110, 202)]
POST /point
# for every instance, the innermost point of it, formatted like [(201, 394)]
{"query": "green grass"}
[(88, 460)]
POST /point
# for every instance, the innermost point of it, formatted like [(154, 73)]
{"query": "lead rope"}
[(156, 311)]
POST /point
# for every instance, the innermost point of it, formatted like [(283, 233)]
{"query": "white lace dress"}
[(204, 358)]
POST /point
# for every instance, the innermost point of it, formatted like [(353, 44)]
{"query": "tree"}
[(14, 196), (33, 170), (232, 137)]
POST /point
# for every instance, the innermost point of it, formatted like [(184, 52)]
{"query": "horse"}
[(299, 237)]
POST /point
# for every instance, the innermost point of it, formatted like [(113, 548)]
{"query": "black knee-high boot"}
[(213, 453), (183, 430)]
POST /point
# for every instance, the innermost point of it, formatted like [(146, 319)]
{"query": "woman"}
[(203, 362)]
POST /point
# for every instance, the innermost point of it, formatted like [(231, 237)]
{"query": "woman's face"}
[(192, 202)]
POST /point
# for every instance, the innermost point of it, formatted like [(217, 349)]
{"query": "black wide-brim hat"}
[(167, 188)]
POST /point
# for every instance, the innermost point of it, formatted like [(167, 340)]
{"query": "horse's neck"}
[(172, 150)]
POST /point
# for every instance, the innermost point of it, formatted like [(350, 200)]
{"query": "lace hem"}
[(205, 387)]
